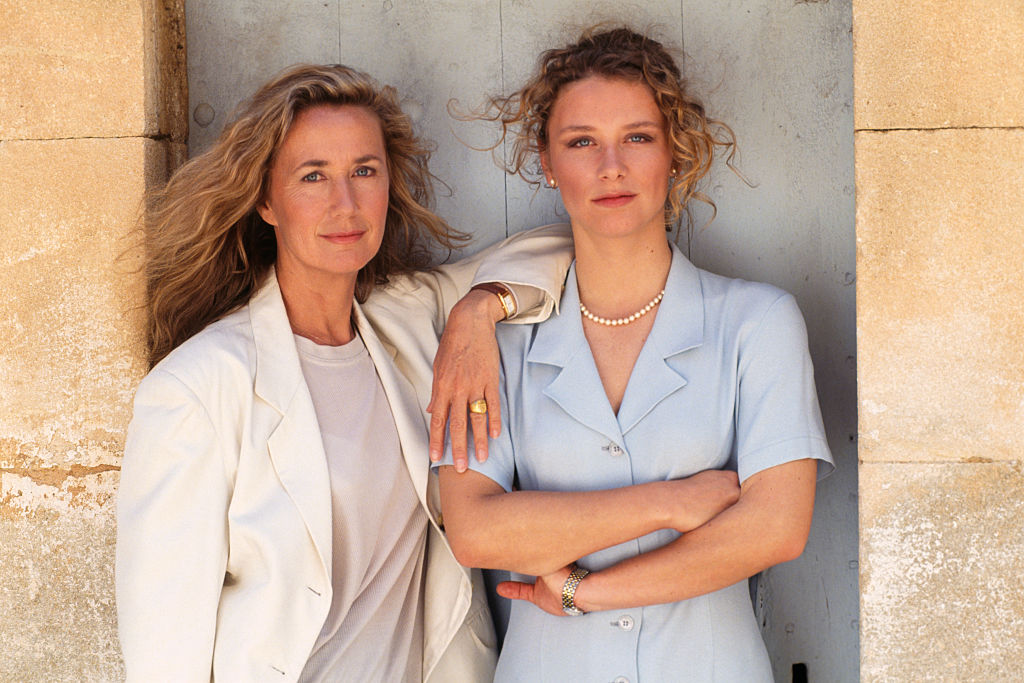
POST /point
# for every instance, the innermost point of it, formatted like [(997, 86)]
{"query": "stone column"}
[(939, 116), (91, 115)]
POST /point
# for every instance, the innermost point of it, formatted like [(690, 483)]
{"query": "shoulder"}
[(402, 292), (513, 336), (216, 357), (741, 298), (744, 307)]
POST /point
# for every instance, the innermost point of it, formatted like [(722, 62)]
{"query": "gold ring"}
[(478, 406)]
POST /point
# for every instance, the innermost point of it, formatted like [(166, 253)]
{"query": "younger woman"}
[(654, 370)]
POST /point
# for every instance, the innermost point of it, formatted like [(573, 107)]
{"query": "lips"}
[(610, 201), (344, 237)]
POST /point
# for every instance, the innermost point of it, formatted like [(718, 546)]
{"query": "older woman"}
[(653, 371), (274, 516)]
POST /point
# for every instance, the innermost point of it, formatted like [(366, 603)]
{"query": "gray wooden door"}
[(779, 72)]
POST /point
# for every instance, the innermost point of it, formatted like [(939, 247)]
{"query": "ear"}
[(265, 211), (545, 166), (545, 162)]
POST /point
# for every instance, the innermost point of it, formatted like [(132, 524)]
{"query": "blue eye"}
[(312, 177), (364, 172), (639, 137), (581, 142)]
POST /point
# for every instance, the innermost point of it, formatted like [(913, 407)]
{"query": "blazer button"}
[(625, 622)]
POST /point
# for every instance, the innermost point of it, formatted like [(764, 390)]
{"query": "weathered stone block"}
[(942, 572), (57, 598), (71, 352), (940, 313), (934, 64), (92, 68)]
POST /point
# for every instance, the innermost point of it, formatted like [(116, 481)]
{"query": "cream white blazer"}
[(224, 508)]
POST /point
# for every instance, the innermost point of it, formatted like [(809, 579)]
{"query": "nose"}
[(343, 198), (611, 166)]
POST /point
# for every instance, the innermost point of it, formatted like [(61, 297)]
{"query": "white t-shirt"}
[(374, 630)]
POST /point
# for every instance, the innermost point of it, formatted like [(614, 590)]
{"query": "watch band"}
[(508, 302), (576, 574)]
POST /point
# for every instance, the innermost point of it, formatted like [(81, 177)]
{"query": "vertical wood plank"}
[(433, 52), (780, 74), (234, 47)]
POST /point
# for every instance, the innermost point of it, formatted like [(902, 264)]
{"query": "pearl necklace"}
[(628, 319)]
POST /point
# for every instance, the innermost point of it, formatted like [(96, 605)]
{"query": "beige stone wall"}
[(91, 109), (939, 111)]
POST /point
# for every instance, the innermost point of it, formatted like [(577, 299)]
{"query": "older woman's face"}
[(327, 193)]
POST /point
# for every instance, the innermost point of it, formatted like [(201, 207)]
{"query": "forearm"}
[(533, 263), (767, 526), (536, 532)]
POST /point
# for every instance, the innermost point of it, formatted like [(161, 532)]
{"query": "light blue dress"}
[(723, 381)]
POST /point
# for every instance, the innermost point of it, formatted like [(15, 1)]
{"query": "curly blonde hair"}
[(618, 52), (206, 248)]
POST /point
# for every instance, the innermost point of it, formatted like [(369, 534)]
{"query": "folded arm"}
[(768, 525), (538, 532)]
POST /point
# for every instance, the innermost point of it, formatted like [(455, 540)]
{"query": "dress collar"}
[(678, 327)]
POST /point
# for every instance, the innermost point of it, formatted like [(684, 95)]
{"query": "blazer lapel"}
[(405, 408), (295, 444)]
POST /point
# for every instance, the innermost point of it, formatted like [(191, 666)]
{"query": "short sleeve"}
[(778, 419)]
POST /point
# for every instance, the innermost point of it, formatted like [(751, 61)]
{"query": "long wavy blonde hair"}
[(617, 52), (206, 248)]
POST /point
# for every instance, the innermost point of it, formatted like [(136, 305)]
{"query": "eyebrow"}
[(632, 126), (320, 163)]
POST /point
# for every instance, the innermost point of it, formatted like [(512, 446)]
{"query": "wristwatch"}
[(504, 294), (572, 581)]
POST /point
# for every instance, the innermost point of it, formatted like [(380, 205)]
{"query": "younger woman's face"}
[(609, 151)]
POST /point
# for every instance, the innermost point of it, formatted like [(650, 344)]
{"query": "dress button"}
[(615, 450), (626, 622)]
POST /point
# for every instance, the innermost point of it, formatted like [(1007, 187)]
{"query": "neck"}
[(319, 306), (617, 277)]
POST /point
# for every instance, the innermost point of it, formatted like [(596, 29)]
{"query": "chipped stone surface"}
[(938, 64), (57, 615), (940, 321), (67, 365), (942, 572)]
